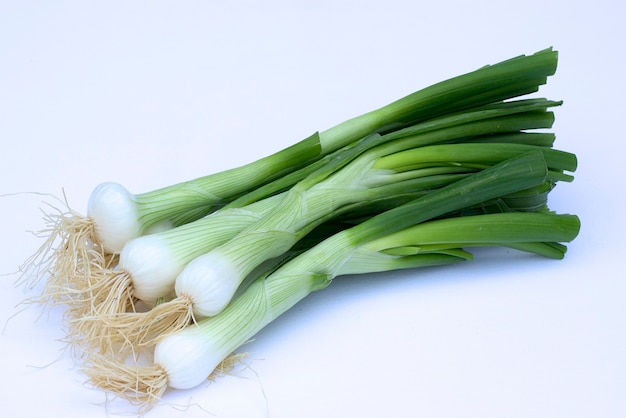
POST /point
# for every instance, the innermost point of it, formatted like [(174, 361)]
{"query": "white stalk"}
[(210, 281), (187, 358), (152, 266), (113, 210)]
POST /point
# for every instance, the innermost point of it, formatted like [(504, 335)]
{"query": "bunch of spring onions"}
[(207, 272), (190, 272), (427, 231)]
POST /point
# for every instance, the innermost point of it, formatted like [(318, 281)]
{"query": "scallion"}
[(192, 271), (206, 285), (388, 241)]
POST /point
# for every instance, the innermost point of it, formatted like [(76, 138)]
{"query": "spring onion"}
[(381, 171), (149, 264), (403, 237), (190, 272)]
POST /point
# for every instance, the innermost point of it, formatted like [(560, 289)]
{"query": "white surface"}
[(152, 93)]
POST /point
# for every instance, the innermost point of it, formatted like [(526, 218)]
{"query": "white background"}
[(150, 93)]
